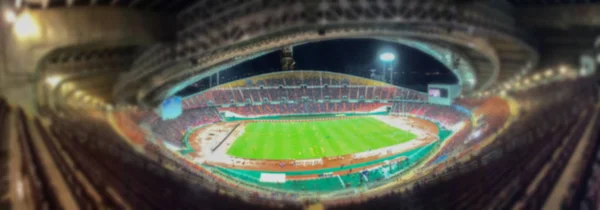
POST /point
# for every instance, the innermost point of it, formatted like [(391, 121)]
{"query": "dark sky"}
[(413, 68)]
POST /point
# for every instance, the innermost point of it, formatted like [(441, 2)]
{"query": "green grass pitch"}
[(308, 140)]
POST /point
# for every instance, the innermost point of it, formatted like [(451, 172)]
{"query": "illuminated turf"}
[(306, 140)]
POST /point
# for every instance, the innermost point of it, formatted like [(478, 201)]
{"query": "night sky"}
[(414, 69)]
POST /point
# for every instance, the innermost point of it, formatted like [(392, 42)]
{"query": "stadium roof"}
[(150, 49)]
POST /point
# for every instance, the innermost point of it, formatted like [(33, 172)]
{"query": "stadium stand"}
[(280, 86), (519, 169), (173, 130), (303, 108), (506, 169), (297, 78), (504, 178), (4, 155), (587, 196), (132, 129), (448, 116), (98, 169), (132, 175), (280, 93)]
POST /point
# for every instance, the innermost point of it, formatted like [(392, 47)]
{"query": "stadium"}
[(306, 135), (299, 104)]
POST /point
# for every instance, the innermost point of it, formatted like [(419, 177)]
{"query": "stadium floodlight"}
[(26, 26), (78, 94), (386, 57), (563, 69), (549, 73), (53, 80), (10, 16)]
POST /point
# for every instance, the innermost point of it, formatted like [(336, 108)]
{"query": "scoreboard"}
[(438, 92), (443, 94)]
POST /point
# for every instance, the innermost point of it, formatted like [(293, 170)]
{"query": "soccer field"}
[(307, 140)]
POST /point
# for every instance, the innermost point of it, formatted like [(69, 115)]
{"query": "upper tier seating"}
[(253, 95), (297, 86), (303, 108)]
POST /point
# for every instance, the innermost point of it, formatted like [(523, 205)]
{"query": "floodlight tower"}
[(373, 75), (387, 59)]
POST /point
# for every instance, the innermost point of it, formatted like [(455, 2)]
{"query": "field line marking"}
[(367, 179), (341, 181)]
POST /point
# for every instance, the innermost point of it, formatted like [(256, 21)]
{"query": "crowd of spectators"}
[(122, 178), (506, 173), (304, 108), (277, 94), (129, 126), (4, 153), (285, 86), (447, 116), (173, 130), (286, 93), (553, 121), (501, 174), (310, 78)]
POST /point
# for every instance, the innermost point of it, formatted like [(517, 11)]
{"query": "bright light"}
[(387, 57), (537, 77), (19, 187), (476, 134), (548, 73), (26, 26), (10, 16), (563, 70), (78, 94), (53, 80)]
